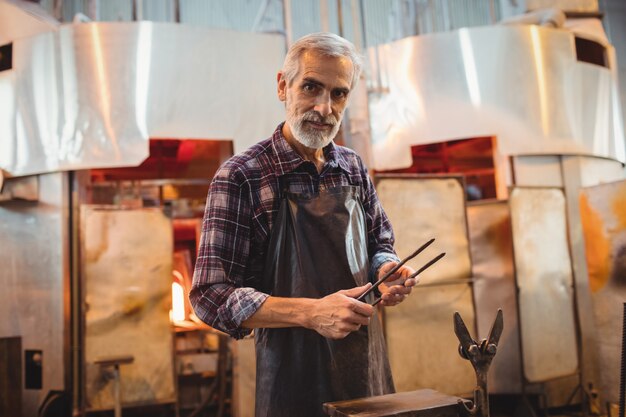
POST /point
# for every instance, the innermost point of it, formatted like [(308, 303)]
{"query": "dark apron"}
[(318, 246)]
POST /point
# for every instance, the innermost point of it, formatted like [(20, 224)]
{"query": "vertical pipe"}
[(357, 30), (622, 384), (116, 387), (492, 11), (92, 10), (57, 10), (340, 18), (139, 5), (177, 11), (76, 183), (324, 15), (446, 15), (287, 20), (363, 30)]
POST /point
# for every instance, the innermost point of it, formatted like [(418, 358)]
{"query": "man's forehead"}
[(313, 64)]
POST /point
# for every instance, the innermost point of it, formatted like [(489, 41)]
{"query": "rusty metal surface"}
[(545, 283), (421, 208), (494, 287), (126, 264), (603, 215), (420, 403)]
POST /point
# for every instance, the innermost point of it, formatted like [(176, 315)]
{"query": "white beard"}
[(310, 138)]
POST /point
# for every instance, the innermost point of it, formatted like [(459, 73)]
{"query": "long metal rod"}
[(395, 269), (419, 271), (622, 384)]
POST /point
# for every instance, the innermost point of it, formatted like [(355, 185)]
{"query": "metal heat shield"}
[(420, 337), (603, 215), (126, 264), (544, 282), (494, 287), (34, 254)]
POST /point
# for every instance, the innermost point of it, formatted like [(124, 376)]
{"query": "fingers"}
[(356, 291), (395, 291), (399, 277), (339, 314)]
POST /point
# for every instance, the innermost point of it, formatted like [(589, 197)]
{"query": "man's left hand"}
[(397, 287)]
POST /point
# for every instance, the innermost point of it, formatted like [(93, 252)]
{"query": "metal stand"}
[(480, 356), (115, 362)]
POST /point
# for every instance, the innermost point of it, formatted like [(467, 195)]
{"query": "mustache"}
[(313, 116)]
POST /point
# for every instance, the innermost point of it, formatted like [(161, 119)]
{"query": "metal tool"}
[(480, 356), (416, 273), (398, 266)]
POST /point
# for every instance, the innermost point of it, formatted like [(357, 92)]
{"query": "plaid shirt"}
[(242, 203)]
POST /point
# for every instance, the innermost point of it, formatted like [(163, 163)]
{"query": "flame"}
[(178, 302)]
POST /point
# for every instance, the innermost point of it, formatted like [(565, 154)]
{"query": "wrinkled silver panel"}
[(521, 84), (494, 288), (603, 215), (34, 257), (126, 265), (420, 336), (91, 94), (545, 283)]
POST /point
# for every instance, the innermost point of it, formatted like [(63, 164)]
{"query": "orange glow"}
[(618, 206), (178, 302), (597, 246)]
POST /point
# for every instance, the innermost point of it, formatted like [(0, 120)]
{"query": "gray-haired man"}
[(293, 233)]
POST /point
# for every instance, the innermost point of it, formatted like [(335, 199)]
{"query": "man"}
[(293, 233)]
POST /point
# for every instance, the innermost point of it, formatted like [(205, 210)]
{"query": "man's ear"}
[(282, 86)]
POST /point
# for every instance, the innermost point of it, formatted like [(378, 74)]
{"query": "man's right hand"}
[(337, 315)]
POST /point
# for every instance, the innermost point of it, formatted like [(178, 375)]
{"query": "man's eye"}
[(309, 88), (339, 94)]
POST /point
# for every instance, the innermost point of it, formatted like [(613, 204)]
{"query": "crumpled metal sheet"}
[(421, 343), (126, 264), (91, 94), (491, 245), (603, 216), (545, 283), (521, 84)]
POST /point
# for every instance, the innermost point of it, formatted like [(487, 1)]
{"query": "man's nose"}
[(323, 105)]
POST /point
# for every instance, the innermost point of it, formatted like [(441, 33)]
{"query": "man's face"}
[(316, 98)]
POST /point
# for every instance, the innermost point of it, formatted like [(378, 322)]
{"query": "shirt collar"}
[(287, 160)]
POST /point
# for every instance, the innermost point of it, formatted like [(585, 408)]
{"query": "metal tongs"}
[(398, 266)]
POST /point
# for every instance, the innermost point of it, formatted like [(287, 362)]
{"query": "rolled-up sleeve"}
[(219, 295)]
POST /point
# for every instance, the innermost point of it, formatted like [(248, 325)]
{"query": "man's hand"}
[(337, 315), (397, 287)]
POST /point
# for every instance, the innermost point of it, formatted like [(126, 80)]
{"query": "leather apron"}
[(318, 246)]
